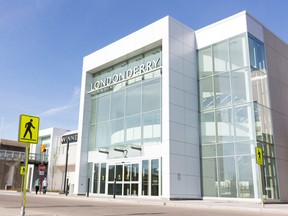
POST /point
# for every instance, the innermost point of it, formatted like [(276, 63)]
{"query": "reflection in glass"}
[(238, 52), (206, 93), (151, 127), (227, 177), (208, 128), (220, 54), (209, 176), (245, 177), (133, 130), (154, 177), (145, 177), (238, 85), (103, 178), (243, 123), (222, 90), (96, 178), (225, 126), (205, 62)]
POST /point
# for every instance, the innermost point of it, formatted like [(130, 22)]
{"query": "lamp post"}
[(65, 174)]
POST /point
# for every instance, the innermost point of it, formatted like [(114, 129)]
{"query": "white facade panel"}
[(221, 30)]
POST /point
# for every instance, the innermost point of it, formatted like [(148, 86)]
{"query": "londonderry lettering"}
[(128, 74)]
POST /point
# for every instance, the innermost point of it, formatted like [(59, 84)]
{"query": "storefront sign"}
[(71, 138), (128, 74)]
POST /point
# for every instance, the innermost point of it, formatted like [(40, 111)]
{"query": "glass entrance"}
[(126, 177)]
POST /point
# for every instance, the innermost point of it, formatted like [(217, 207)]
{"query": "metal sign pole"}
[(25, 180)]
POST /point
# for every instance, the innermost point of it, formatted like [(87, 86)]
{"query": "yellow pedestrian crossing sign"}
[(259, 156), (28, 129), (22, 170)]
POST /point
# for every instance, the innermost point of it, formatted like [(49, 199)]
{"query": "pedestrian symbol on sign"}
[(259, 156), (28, 126), (28, 129)]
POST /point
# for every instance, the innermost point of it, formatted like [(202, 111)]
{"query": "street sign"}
[(22, 170), (28, 129), (259, 156), (41, 173), (42, 167)]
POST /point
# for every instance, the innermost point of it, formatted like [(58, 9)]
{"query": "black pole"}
[(88, 187), (114, 188), (65, 174)]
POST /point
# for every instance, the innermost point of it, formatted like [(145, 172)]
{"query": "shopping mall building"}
[(172, 113)]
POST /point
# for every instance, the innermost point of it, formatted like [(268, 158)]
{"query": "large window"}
[(226, 119), (227, 108), (127, 112)]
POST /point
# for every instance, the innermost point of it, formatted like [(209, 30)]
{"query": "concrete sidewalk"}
[(241, 205)]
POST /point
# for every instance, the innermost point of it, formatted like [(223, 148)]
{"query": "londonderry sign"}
[(125, 75)]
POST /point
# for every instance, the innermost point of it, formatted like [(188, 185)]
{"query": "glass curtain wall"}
[(263, 121), (226, 120), (128, 112), (228, 137)]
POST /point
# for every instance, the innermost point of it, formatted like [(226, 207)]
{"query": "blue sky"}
[(43, 42)]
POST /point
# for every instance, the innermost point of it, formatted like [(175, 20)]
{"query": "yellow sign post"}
[(28, 129), (259, 156), (259, 161), (28, 133)]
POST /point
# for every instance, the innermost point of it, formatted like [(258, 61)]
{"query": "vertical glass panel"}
[(133, 100), (238, 52), (119, 71), (244, 148), (242, 123), (252, 53), (135, 172), (239, 86), (102, 135), (117, 104), (153, 55), (145, 177), (151, 94), (127, 189), (133, 130), (270, 178), (260, 56), (117, 132), (225, 127), (96, 178), (206, 93), (154, 177), (102, 108), (208, 128), (263, 124), (127, 172), (119, 170), (205, 62), (134, 189), (208, 150), (225, 149), (90, 175), (227, 177), (222, 90), (209, 176), (133, 67), (103, 178), (245, 177), (151, 127), (92, 137), (260, 87), (220, 54), (111, 173)]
